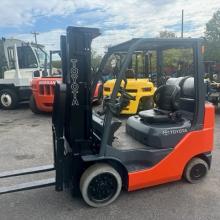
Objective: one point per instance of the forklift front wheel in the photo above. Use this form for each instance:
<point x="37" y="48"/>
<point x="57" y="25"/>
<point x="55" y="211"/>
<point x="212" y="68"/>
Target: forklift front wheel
<point x="33" y="105"/>
<point x="196" y="170"/>
<point x="100" y="185"/>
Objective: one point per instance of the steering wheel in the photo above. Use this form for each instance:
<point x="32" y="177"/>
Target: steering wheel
<point x="125" y="94"/>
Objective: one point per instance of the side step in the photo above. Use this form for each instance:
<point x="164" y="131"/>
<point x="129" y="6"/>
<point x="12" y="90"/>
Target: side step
<point x="28" y="185"/>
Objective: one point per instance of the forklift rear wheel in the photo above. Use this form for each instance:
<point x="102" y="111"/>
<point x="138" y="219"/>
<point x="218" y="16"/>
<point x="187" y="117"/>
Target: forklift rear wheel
<point x="196" y="170"/>
<point x="8" y="99"/>
<point x="33" y="106"/>
<point x="100" y="185"/>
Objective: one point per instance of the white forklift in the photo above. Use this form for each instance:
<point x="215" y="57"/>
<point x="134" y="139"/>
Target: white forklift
<point x="19" y="61"/>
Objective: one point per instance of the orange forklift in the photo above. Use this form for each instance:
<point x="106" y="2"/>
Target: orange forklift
<point x="41" y="99"/>
<point x="96" y="155"/>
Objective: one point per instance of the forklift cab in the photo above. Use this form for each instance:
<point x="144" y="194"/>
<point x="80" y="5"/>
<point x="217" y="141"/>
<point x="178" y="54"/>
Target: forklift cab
<point x="97" y="155"/>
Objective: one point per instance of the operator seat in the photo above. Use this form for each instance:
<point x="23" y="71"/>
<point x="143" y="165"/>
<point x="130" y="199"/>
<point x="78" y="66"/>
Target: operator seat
<point x="166" y="99"/>
<point x="150" y="129"/>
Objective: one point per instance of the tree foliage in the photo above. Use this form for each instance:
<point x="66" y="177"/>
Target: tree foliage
<point x="95" y="61"/>
<point x="167" y="34"/>
<point x="212" y="32"/>
<point x="175" y="57"/>
<point x="172" y="58"/>
<point x="212" y="37"/>
<point x="56" y="64"/>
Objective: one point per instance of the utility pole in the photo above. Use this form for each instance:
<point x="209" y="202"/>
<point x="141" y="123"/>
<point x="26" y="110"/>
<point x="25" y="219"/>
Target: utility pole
<point x="182" y="23"/>
<point x="35" y="36"/>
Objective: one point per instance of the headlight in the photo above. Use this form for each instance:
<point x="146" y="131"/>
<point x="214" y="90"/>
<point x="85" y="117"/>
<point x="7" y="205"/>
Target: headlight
<point x="106" y="89"/>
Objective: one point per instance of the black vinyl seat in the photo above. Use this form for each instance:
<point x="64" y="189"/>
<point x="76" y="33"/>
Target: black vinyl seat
<point x="166" y="99"/>
<point x="154" y="116"/>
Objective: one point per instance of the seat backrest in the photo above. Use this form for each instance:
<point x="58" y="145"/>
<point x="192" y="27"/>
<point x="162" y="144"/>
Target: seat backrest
<point x="187" y="95"/>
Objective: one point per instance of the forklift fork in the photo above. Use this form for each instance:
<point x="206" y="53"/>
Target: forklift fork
<point x="28" y="185"/>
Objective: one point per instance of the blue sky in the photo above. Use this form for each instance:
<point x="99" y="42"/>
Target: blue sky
<point x="117" y="20"/>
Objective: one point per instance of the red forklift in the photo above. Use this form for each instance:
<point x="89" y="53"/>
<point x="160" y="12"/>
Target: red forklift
<point x="96" y="154"/>
<point x="41" y="99"/>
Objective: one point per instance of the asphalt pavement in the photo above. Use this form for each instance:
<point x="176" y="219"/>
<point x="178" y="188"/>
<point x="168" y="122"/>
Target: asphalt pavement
<point x="26" y="141"/>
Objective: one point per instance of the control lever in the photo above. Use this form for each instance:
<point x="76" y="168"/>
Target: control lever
<point x="125" y="94"/>
<point x="118" y="104"/>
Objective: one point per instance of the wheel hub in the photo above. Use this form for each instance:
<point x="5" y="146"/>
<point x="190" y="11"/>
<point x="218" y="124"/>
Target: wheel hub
<point x="102" y="187"/>
<point x="6" y="99"/>
<point x="198" y="171"/>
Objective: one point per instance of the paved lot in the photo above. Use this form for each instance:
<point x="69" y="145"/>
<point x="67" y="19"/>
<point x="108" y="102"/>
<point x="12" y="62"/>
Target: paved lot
<point x="25" y="140"/>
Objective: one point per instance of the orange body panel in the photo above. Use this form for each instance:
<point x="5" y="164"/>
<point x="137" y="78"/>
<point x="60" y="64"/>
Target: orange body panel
<point x="172" y="166"/>
<point x="43" y="92"/>
<point x="96" y="93"/>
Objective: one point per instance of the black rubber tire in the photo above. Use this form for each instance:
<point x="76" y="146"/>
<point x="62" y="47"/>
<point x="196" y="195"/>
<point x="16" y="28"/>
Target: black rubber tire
<point x="93" y="172"/>
<point x="33" y="106"/>
<point x="196" y="170"/>
<point x="13" y="96"/>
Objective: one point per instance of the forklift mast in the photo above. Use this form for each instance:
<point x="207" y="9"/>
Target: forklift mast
<point x="72" y="110"/>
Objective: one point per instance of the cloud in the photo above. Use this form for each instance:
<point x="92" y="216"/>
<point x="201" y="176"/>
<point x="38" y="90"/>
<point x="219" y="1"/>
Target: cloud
<point x="25" y="12"/>
<point x="50" y="39"/>
<point x="118" y="20"/>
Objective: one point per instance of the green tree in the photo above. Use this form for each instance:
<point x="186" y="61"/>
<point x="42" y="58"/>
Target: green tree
<point x="173" y="57"/>
<point x="212" y="32"/>
<point x="212" y="38"/>
<point x="95" y="61"/>
<point x="167" y="34"/>
<point x="56" y="64"/>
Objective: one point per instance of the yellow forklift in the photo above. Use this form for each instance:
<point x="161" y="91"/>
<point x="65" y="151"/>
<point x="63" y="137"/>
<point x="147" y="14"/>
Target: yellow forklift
<point x="138" y="83"/>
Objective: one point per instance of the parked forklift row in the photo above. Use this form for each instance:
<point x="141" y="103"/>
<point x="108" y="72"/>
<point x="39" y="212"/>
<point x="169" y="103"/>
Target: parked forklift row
<point x="27" y="76"/>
